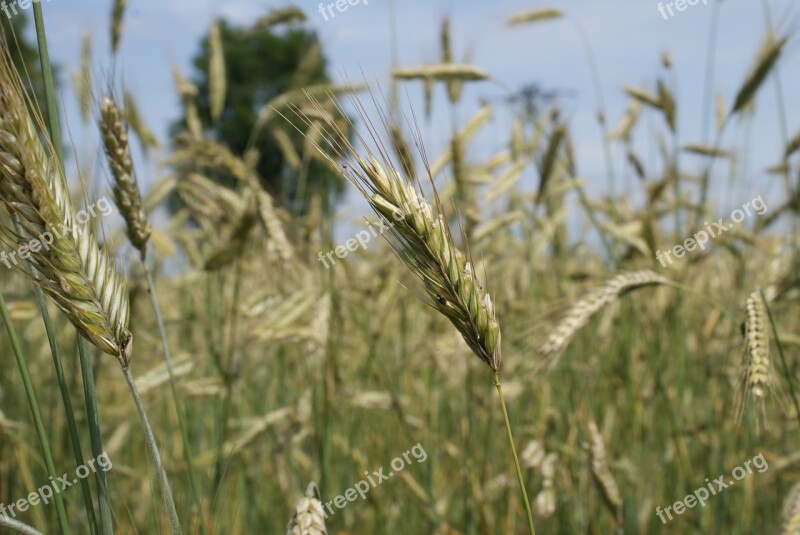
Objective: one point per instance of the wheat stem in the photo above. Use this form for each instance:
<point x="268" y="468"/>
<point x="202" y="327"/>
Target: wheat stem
<point x="152" y="447"/>
<point x="520" y="479"/>
<point x="65" y="398"/>
<point x="95" y="437"/>
<point x="37" y="415"/>
<point x="151" y="290"/>
<point x="49" y="86"/>
<point x="18" y="526"/>
<point x="55" y="139"/>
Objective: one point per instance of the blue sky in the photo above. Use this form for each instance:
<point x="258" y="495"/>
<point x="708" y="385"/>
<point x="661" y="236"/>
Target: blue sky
<point x="627" y="36"/>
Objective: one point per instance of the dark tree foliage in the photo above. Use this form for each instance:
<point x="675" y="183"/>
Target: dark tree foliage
<point x="262" y="64"/>
<point x="24" y="53"/>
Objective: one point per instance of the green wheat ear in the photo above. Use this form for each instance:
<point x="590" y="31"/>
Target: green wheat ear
<point x="421" y="237"/>
<point x="72" y="270"/>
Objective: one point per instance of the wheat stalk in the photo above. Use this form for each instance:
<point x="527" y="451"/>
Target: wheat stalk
<point x="421" y="237"/>
<point x="72" y="270"/>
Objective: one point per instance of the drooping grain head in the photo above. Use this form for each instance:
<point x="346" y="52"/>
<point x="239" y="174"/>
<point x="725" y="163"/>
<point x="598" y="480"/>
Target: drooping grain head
<point x="68" y="262"/>
<point x="114" y="134"/>
<point x="582" y="310"/>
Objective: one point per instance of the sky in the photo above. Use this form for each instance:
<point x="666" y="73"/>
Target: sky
<point x="627" y="38"/>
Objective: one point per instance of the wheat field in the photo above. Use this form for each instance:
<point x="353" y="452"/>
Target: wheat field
<point x="497" y="342"/>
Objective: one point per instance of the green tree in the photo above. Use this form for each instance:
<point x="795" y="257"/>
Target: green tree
<point x="260" y="65"/>
<point x="24" y="53"/>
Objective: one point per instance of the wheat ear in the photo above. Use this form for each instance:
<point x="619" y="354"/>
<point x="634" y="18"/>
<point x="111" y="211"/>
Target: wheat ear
<point x="309" y="516"/>
<point x="116" y="23"/>
<point x="582" y="310"/>
<point x="421" y="238"/>
<point x="114" y="133"/>
<point x="756" y="365"/>
<point x="73" y="271"/>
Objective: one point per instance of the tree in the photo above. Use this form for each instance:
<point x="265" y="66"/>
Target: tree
<point x="24" y="54"/>
<point x="262" y="63"/>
